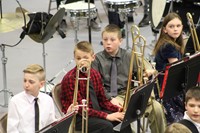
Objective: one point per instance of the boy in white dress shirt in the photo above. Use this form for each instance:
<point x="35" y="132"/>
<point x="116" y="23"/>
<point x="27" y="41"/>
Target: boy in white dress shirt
<point x="21" y="112"/>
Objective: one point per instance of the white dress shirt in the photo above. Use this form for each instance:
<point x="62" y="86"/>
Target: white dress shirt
<point x="21" y="113"/>
<point x="189" y="119"/>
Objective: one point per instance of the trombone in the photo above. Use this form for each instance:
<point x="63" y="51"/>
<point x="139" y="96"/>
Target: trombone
<point x="84" y="69"/>
<point x="137" y="40"/>
<point x="193" y="32"/>
<point x="140" y="41"/>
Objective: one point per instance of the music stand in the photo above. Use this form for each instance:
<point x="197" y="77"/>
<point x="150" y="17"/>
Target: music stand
<point x="180" y="76"/>
<point x="137" y="106"/>
<point x="60" y="126"/>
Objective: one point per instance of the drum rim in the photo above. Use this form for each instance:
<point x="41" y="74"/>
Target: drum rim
<point x="121" y="3"/>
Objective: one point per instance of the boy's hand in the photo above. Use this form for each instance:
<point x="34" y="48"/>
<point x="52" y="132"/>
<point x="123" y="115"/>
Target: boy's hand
<point x="73" y="108"/>
<point x="149" y="72"/>
<point x="117" y="116"/>
<point x="116" y="102"/>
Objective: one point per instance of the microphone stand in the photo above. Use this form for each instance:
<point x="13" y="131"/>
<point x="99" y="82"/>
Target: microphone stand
<point x="89" y="23"/>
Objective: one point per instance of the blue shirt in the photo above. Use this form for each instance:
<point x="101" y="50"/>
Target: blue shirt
<point x="165" y="52"/>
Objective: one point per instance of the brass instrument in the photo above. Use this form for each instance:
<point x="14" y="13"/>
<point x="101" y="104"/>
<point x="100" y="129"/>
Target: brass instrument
<point x="138" y="57"/>
<point x="140" y="66"/>
<point x="84" y="66"/>
<point x="193" y="32"/>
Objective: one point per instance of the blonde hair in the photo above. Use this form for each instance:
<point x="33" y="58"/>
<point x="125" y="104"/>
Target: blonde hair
<point x="35" y="69"/>
<point x="112" y="28"/>
<point x="177" y="128"/>
<point x="84" y="46"/>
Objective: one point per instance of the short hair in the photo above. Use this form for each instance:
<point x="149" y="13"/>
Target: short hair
<point x="84" y="46"/>
<point x="35" y="69"/>
<point x="177" y="128"/>
<point x="112" y="28"/>
<point x="193" y="92"/>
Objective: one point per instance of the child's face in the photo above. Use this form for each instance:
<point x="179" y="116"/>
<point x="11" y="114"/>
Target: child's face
<point x="111" y="42"/>
<point x="82" y="58"/>
<point x="174" y="28"/>
<point x="193" y="109"/>
<point x="32" y="84"/>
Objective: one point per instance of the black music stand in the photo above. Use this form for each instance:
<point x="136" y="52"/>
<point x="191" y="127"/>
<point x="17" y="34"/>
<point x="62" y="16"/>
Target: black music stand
<point x="137" y="106"/>
<point x="60" y="126"/>
<point x="180" y="76"/>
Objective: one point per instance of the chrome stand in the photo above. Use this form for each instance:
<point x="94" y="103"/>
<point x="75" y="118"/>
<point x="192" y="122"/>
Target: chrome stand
<point x="124" y="17"/>
<point x="5" y="90"/>
<point x="75" y="22"/>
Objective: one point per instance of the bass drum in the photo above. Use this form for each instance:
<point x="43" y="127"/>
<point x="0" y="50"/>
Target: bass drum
<point x="155" y="13"/>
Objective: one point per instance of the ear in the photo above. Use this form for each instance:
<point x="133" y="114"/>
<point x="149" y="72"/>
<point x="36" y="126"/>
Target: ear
<point x="121" y="39"/>
<point x="164" y="30"/>
<point x="93" y="57"/>
<point x="42" y="83"/>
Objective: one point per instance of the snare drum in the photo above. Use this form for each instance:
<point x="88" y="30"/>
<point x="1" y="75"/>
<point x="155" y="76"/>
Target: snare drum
<point x="116" y="5"/>
<point x="80" y="9"/>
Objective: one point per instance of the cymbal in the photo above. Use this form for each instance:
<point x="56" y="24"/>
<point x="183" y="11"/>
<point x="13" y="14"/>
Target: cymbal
<point x="51" y="27"/>
<point x="11" y="21"/>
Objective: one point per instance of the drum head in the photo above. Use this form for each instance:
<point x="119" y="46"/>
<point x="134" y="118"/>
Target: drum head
<point x="157" y="8"/>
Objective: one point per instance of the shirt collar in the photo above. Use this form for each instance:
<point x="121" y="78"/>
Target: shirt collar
<point x="31" y="98"/>
<point x="188" y="118"/>
<point x="118" y="55"/>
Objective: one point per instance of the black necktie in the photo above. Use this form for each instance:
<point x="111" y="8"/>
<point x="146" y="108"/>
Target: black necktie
<point x="113" y="80"/>
<point x="95" y="103"/>
<point x="36" y="115"/>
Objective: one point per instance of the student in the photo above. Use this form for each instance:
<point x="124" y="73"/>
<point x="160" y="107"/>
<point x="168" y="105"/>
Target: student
<point x="21" y="113"/>
<point x="168" y="49"/>
<point x="101" y="118"/>
<point x="192" y="106"/>
<point x="170" y="46"/>
<point x="177" y="128"/>
<point x="111" y="38"/>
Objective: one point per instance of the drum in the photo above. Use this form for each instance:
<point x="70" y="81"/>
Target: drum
<point x="80" y="9"/>
<point x="117" y="5"/>
<point x="155" y="13"/>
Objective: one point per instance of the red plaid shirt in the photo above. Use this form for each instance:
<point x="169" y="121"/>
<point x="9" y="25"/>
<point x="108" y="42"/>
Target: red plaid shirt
<point x="67" y="93"/>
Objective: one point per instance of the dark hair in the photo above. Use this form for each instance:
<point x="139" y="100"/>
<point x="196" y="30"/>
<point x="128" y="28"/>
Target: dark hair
<point x="165" y="38"/>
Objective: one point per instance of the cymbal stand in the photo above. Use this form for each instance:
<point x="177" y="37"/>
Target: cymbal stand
<point x="5" y="89"/>
<point x="124" y="17"/>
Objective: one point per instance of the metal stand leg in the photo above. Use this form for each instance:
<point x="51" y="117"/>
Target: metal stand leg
<point x="75" y="22"/>
<point x="44" y="54"/>
<point x="124" y="15"/>
<point x="5" y="90"/>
